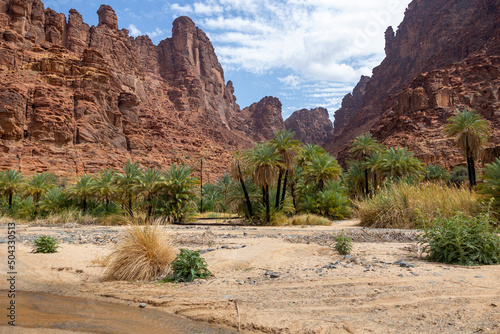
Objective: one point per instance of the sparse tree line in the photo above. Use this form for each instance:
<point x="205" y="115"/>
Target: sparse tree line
<point x="266" y="184"/>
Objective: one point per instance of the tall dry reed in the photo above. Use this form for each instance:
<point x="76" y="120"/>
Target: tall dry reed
<point x="409" y="206"/>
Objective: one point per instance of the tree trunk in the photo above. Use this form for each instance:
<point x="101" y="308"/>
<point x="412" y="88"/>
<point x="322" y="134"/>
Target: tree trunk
<point x="283" y="193"/>
<point x="278" y="189"/>
<point x="268" y="209"/>
<point x="375" y="182"/>
<point x="130" y="206"/>
<point x="367" y="190"/>
<point x="10" y="201"/>
<point x="247" y="197"/>
<point x="150" y="208"/>
<point x="292" y="188"/>
<point x="84" y="205"/>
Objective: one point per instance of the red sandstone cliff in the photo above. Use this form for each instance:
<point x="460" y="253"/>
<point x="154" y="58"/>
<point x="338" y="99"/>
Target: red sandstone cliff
<point x="77" y="99"/>
<point x="442" y="51"/>
<point x="260" y="120"/>
<point x="310" y="126"/>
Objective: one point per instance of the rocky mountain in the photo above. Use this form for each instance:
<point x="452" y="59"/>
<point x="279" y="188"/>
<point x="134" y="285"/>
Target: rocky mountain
<point x="310" y="126"/>
<point x="262" y="119"/>
<point x="443" y="56"/>
<point x="78" y="99"/>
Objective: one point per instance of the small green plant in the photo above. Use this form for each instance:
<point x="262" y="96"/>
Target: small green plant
<point x="343" y="244"/>
<point x="188" y="266"/>
<point x="462" y="240"/>
<point x="45" y="244"/>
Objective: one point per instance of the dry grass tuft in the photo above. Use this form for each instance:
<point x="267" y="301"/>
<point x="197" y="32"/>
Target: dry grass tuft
<point x="309" y="219"/>
<point x="145" y="254"/>
<point x="415" y="206"/>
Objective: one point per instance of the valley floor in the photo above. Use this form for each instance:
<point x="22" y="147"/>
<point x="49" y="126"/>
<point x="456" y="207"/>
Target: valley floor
<point x="282" y="279"/>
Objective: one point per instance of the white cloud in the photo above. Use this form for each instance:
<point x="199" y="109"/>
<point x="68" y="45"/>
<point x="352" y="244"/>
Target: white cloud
<point x="208" y="9"/>
<point x="291" y="80"/>
<point x="316" y="38"/>
<point x="134" y="31"/>
<point x="156" y="33"/>
<point x="308" y="41"/>
<point x="179" y="8"/>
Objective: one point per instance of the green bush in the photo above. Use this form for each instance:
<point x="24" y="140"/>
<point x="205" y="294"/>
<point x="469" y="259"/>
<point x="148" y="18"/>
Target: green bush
<point x="343" y="244"/>
<point x="188" y="266"/>
<point x="462" y="240"/>
<point x="45" y="244"/>
<point x="491" y="185"/>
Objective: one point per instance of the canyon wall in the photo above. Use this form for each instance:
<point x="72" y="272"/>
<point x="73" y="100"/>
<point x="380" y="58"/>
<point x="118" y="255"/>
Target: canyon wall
<point x="443" y="56"/>
<point x="78" y="99"/>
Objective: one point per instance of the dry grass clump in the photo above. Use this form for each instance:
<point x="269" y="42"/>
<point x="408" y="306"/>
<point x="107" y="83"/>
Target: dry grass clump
<point x="67" y="217"/>
<point x="409" y="206"/>
<point x="309" y="219"/>
<point x="144" y="254"/>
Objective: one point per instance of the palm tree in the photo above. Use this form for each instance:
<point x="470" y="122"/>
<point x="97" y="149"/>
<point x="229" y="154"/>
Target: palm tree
<point x="223" y="186"/>
<point x="361" y="147"/>
<point x="38" y="184"/>
<point x="178" y="189"/>
<point x="148" y="185"/>
<point x="286" y="146"/>
<point x="320" y="169"/>
<point x="237" y="174"/>
<point x="371" y="164"/>
<point x="491" y="185"/>
<point x="471" y="132"/>
<point x="436" y="173"/>
<point x="104" y="186"/>
<point x="11" y="181"/>
<point x="266" y="162"/>
<point x="308" y="151"/>
<point x="82" y="190"/>
<point x="127" y="180"/>
<point x="398" y="163"/>
<point x="355" y="178"/>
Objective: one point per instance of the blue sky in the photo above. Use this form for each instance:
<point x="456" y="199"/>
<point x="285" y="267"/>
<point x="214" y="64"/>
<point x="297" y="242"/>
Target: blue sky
<point x="308" y="53"/>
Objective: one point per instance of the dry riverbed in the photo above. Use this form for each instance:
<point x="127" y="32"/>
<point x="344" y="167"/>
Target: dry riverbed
<point x="278" y="280"/>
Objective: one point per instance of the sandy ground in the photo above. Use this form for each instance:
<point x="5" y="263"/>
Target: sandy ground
<point x="367" y="293"/>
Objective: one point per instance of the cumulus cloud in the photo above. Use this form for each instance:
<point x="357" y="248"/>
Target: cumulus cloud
<point x="316" y="38"/>
<point x="134" y="31"/>
<point x="322" y="41"/>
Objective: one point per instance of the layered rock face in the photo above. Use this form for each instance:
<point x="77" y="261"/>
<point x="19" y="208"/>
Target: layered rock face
<point x="310" y="126"/>
<point x="77" y="99"/>
<point x="262" y="119"/>
<point x="416" y="117"/>
<point x="434" y="36"/>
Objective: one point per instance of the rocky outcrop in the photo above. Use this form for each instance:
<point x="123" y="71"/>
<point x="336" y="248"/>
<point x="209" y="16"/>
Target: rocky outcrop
<point x="433" y="35"/>
<point x="310" y="126"/>
<point x="417" y="115"/>
<point x="351" y="104"/>
<point x="77" y="98"/>
<point x="262" y="119"/>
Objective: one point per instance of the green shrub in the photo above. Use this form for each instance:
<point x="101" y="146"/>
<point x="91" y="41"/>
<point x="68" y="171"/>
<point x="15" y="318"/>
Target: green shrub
<point x="343" y="244"/>
<point x="45" y="244"/>
<point x="436" y="173"/>
<point x="462" y="240"/>
<point x="188" y="266"/>
<point x="459" y="175"/>
<point x="403" y="205"/>
<point x="491" y="185"/>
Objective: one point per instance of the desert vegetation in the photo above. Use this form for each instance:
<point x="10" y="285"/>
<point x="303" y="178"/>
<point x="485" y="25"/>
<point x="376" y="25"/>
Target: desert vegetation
<point x="278" y="182"/>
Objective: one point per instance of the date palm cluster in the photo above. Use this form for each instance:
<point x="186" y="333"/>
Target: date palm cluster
<point x="281" y="177"/>
<point x="168" y="192"/>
